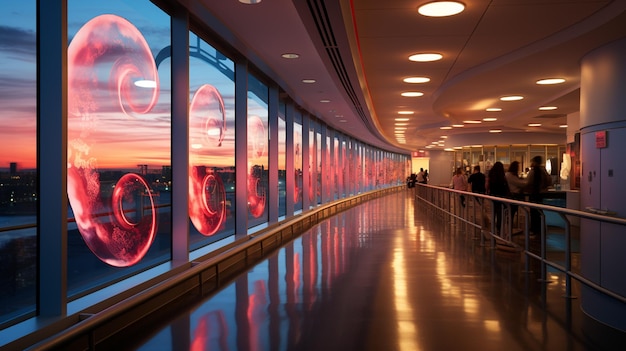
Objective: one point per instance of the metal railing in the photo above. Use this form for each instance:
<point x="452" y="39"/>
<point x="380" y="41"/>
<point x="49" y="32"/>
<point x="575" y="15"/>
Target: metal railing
<point x="477" y="211"/>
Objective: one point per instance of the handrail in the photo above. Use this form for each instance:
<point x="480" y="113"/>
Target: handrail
<point x="427" y="192"/>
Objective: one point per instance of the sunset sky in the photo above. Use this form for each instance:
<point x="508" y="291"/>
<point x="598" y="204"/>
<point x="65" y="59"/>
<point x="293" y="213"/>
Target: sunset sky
<point x="114" y="139"/>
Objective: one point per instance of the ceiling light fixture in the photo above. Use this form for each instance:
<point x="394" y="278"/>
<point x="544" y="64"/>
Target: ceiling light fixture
<point x="445" y="128"/>
<point x="511" y="98"/>
<point x="547" y="108"/>
<point x="402" y="119"/>
<point x="406" y="112"/>
<point x="490" y="119"/>
<point x="563" y="126"/>
<point x="473" y="121"/>
<point x="534" y="124"/>
<point x="493" y="109"/>
<point x="458" y="125"/>
<point x="324" y="100"/>
<point x="290" y="55"/>
<point x="308" y="81"/>
<point x="250" y="2"/>
<point x="495" y="131"/>
<point x="550" y="81"/>
<point x="441" y="8"/>
<point x="412" y="93"/>
<point x="426" y="57"/>
<point x="416" y="80"/>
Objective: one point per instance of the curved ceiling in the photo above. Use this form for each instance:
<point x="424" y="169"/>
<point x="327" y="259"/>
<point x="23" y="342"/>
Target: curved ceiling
<point x="357" y="52"/>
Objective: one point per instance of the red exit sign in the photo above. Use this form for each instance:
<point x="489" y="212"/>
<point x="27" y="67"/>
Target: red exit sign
<point x="601" y="139"/>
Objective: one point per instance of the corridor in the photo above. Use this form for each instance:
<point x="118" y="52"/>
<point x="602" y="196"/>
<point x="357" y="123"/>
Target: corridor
<point x="387" y="274"/>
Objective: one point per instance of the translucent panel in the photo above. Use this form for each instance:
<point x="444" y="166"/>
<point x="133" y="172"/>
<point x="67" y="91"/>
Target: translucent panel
<point x="282" y="170"/>
<point x="258" y="137"/>
<point x="318" y="174"/>
<point x="297" y="165"/>
<point x="328" y="178"/>
<point x="18" y="163"/>
<point x="119" y="128"/>
<point x="211" y="144"/>
<point x="312" y="167"/>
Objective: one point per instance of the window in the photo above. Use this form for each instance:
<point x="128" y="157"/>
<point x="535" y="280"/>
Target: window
<point x="297" y="162"/>
<point x="119" y="137"/>
<point x="18" y="163"/>
<point x="258" y="137"/>
<point x="211" y="144"/>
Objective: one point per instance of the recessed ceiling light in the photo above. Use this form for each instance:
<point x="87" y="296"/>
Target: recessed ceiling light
<point x="448" y="149"/>
<point x="401" y="124"/>
<point x="445" y="128"/>
<point x="406" y="112"/>
<point x="495" y="131"/>
<point x="549" y="81"/>
<point x="427" y="57"/>
<point x="416" y="80"/>
<point x="511" y="98"/>
<point x="563" y="126"/>
<point x="402" y="119"/>
<point x="324" y="100"/>
<point x="250" y="2"/>
<point x="493" y="109"/>
<point x="473" y="121"/>
<point x="490" y="119"/>
<point x="458" y="125"/>
<point x="308" y="81"/>
<point x="290" y="55"/>
<point x="534" y="124"/>
<point x="441" y="8"/>
<point x="412" y="93"/>
<point x="400" y="128"/>
<point x="547" y="108"/>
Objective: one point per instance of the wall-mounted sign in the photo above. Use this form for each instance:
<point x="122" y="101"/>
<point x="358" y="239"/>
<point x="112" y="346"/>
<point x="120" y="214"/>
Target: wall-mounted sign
<point x="601" y="139"/>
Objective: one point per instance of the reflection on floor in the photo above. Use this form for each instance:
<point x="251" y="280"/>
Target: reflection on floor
<point x="384" y="275"/>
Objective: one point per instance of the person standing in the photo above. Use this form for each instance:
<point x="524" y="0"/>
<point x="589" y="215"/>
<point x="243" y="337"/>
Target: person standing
<point x="420" y="176"/>
<point x="538" y="181"/>
<point x="459" y="182"/>
<point x="497" y="186"/>
<point x="476" y="181"/>
<point x="516" y="185"/>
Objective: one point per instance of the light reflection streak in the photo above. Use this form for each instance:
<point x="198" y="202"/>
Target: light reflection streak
<point x="407" y="330"/>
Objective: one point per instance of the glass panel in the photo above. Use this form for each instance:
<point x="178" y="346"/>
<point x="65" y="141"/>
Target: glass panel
<point x="119" y="129"/>
<point x="337" y="169"/>
<point x="18" y="163"/>
<point x="518" y="153"/>
<point x="282" y="169"/>
<point x="318" y="161"/>
<point x="258" y="136"/>
<point x="312" y="167"/>
<point x="502" y="155"/>
<point x="328" y="177"/>
<point x="211" y="144"/>
<point x="297" y="165"/>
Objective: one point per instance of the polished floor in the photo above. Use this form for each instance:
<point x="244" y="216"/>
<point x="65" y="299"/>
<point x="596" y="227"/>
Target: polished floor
<point x="388" y="274"/>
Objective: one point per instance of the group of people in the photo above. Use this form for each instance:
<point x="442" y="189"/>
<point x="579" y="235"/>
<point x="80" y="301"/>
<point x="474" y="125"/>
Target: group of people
<point x="507" y="184"/>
